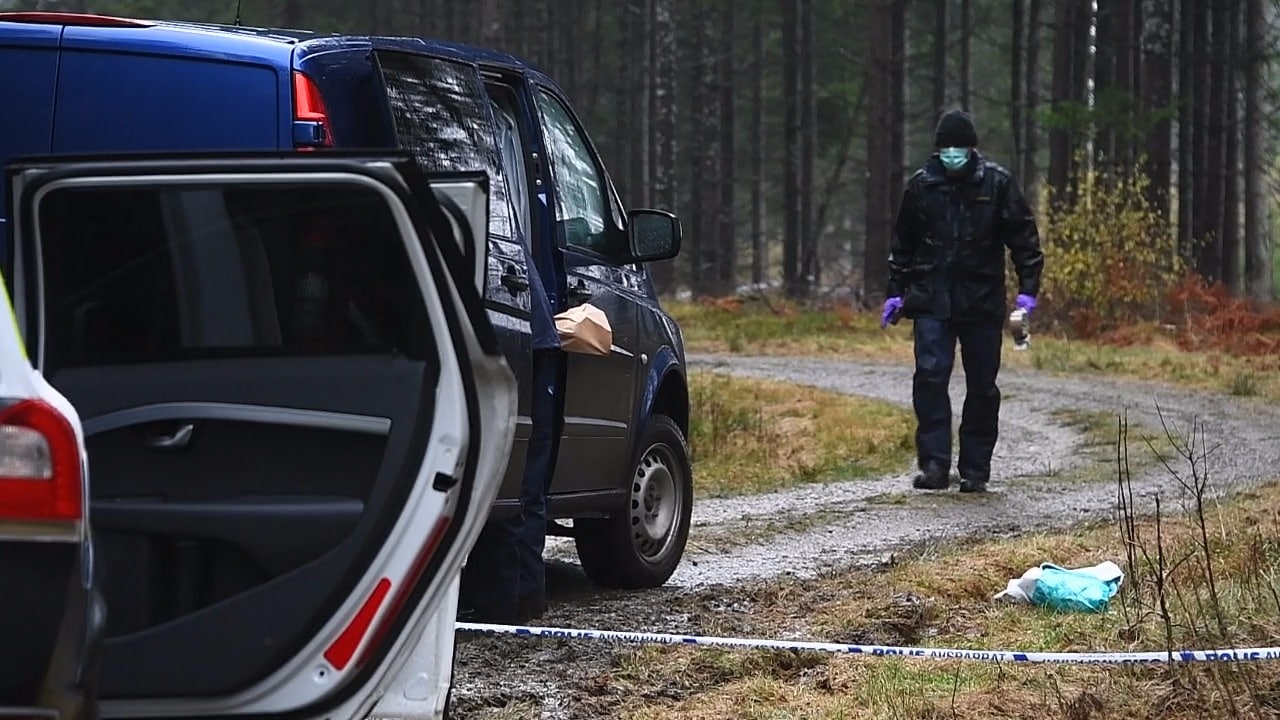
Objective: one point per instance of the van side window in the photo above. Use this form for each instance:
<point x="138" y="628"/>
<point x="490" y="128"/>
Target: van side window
<point x="580" y="198"/>
<point x="442" y="115"/>
<point x="513" y="167"/>
<point x="161" y="274"/>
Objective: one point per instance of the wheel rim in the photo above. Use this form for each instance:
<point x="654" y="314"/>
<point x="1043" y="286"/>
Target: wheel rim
<point x="656" y="503"/>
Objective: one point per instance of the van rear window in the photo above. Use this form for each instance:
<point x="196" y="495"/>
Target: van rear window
<point x="146" y="275"/>
<point x="118" y="102"/>
<point x="444" y="118"/>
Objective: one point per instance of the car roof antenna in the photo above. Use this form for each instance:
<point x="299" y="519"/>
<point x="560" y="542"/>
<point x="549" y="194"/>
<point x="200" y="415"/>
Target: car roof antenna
<point x="237" y="21"/>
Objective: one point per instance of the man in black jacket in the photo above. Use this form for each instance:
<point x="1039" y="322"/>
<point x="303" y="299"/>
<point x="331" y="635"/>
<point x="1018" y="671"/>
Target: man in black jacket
<point x="947" y="273"/>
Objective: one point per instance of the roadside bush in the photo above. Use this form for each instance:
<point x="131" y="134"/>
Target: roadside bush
<point x="1211" y="319"/>
<point x="1109" y="255"/>
<point x="1202" y="578"/>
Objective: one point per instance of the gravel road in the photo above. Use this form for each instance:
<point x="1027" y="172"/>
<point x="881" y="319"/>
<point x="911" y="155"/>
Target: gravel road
<point x="737" y="544"/>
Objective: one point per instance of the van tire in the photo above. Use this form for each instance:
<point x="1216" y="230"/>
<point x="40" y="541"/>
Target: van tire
<point x="640" y="546"/>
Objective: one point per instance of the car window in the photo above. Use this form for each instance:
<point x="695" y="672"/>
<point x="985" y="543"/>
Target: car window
<point x="160" y="274"/>
<point x="580" y="198"/>
<point x="443" y="117"/>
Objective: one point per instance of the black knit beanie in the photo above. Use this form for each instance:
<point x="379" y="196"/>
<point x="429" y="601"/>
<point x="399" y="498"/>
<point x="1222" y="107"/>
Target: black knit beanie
<point x="955" y="129"/>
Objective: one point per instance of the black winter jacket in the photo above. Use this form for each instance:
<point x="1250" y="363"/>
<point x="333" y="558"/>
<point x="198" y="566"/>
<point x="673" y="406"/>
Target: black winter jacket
<point x="946" y="260"/>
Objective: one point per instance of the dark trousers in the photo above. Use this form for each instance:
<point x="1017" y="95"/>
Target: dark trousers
<point x="935" y="349"/>
<point x="544" y="445"/>
<point x="505" y="574"/>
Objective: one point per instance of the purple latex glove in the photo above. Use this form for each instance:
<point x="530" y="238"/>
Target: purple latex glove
<point x="1026" y="303"/>
<point x="892" y="306"/>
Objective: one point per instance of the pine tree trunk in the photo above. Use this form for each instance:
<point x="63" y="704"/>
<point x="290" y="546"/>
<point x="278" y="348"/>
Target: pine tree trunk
<point x="809" y="267"/>
<point x="728" y="250"/>
<point x="701" y="186"/>
<point x="448" y="21"/>
<point x="1157" y="86"/>
<point x="622" y="160"/>
<point x="939" y="58"/>
<point x="1125" y="86"/>
<point x="791" y="268"/>
<point x="1081" y="67"/>
<point x="879" y="115"/>
<point x="898" y="108"/>
<point x="1030" y="170"/>
<point x="966" y="54"/>
<point x="537" y="32"/>
<point x="1187" y="36"/>
<point x="759" y="140"/>
<point x="1017" y="83"/>
<point x="592" y="86"/>
<point x="490" y="23"/>
<point x="1203" y="221"/>
<point x="1135" y="19"/>
<point x="1232" y="258"/>
<point x="709" y="150"/>
<point x="642" y="78"/>
<point x="520" y="13"/>
<point x="291" y="13"/>
<point x="1104" y="79"/>
<point x="375" y="19"/>
<point x="663" y="122"/>
<point x="1213" y="155"/>
<point x="1258" y="258"/>
<point x="567" y="30"/>
<point x="1064" y="74"/>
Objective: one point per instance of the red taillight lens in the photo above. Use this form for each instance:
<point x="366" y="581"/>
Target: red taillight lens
<point x="340" y="652"/>
<point x="310" y="113"/>
<point x="425" y="553"/>
<point x="39" y="464"/>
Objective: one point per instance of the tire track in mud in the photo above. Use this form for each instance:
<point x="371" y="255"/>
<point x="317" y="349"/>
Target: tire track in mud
<point x="737" y="544"/>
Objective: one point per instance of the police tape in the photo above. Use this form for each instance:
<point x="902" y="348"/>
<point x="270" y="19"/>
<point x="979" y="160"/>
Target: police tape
<point x="996" y="656"/>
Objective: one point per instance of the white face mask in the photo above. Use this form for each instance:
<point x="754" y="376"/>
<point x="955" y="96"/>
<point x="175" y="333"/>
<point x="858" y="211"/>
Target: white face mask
<point x="953" y="158"/>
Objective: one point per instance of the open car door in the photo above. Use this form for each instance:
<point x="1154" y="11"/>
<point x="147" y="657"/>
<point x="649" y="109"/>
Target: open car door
<point x="296" y="415"/>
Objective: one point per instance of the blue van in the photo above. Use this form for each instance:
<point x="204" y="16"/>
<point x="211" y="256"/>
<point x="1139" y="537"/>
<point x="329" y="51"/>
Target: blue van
<point x="87" y="85"/>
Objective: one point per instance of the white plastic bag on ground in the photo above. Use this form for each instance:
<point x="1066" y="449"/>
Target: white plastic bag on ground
<point x="1083" y="589"/>
<point x="1020" y="589"/>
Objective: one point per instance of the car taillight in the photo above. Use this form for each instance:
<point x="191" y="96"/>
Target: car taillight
<point x="311" y="125"/>
<point x="39" y="465"/>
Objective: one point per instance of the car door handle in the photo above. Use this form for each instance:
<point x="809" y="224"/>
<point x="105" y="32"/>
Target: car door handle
<point x="514" y="280"/>
<point x="580" y="292"/>
<point x="176" y="440"/>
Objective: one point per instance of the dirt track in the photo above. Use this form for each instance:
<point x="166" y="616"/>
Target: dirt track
<point x="1041" y="479"/>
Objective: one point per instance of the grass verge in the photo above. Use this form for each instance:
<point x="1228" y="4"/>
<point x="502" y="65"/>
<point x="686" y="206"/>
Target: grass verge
<point x="750" y="436"/>
<point x="753" y="328"/>
<point x="1199" y="574"/>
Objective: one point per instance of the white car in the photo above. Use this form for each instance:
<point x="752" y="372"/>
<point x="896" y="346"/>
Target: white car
<point x="52" y="609"/>
<point x="277" y="376"/>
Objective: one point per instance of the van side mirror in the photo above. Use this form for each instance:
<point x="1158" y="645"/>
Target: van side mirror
<point x="653" y="235"/>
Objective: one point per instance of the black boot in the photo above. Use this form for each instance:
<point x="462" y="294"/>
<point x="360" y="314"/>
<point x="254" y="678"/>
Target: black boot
<point x="532" y="608"/>
<point x="973" y="485"/>
<point x="933" y="478"/>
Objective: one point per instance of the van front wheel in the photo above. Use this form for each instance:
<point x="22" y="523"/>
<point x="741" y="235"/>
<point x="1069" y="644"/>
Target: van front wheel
<point x="641" y="545"/>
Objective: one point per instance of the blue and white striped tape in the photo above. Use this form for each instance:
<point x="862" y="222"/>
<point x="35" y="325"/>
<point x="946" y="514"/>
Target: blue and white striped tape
<point x="996" y="656"/>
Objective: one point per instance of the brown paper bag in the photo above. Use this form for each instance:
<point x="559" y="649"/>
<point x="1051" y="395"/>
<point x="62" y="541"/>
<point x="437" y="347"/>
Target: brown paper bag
<point x="584" y="329"/>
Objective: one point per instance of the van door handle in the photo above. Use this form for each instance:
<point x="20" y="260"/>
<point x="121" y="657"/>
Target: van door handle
<point x="514" y="280"/>
<point x="579" y="291"/>
<point x="176" y="440"/>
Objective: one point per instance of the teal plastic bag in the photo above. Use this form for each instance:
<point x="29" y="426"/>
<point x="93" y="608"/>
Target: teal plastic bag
<point x="1074" y="590"/>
